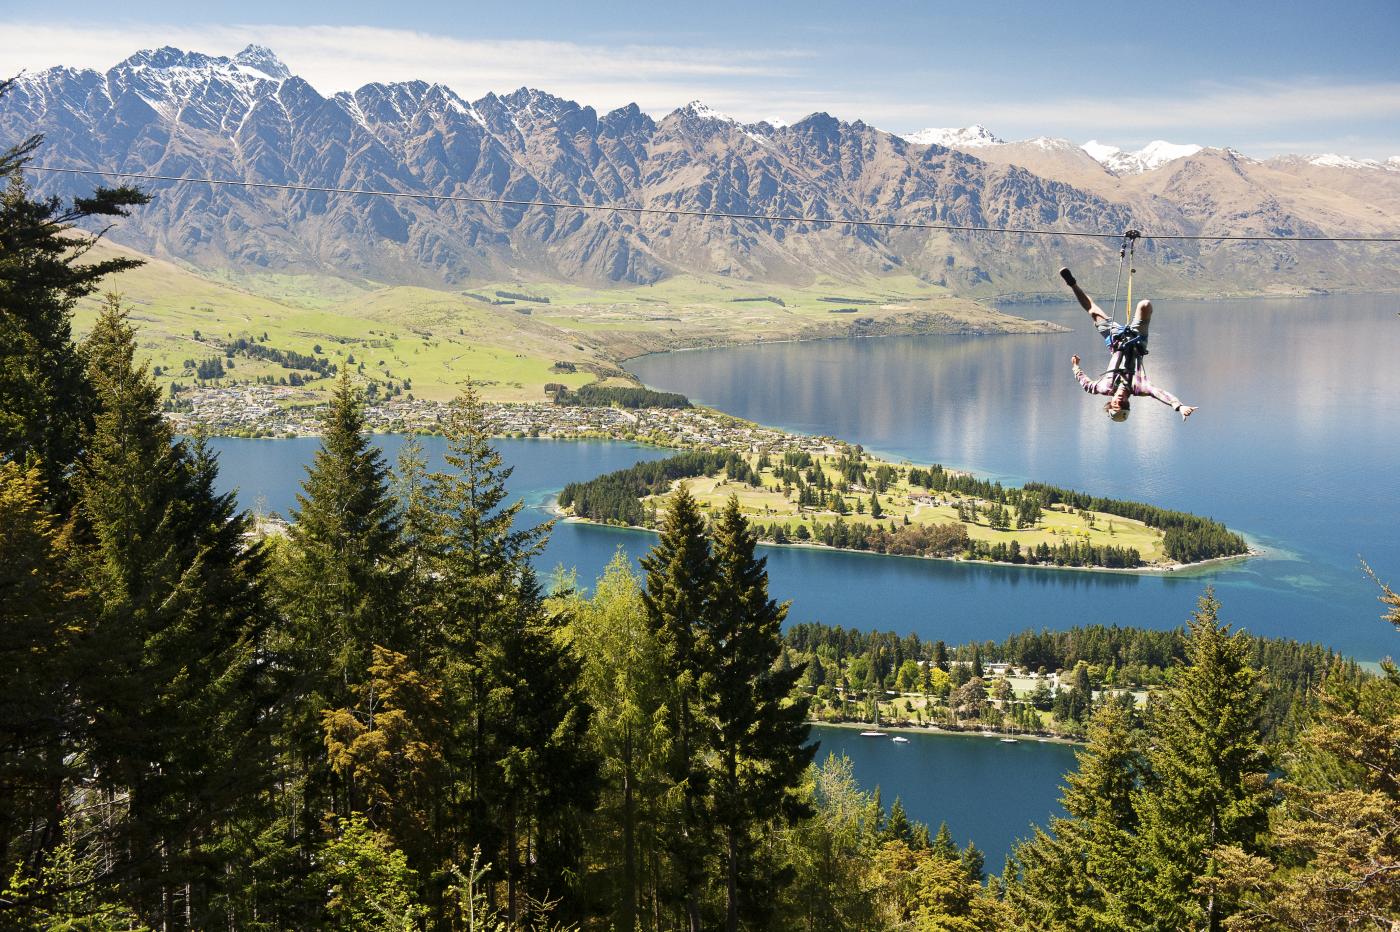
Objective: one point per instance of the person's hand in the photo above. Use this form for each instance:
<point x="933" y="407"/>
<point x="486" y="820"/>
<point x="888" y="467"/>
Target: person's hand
<point x="1074" y="360"/>
<point x="1187" y="411"/>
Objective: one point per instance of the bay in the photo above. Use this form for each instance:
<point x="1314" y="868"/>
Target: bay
<point x="987" y="791"/>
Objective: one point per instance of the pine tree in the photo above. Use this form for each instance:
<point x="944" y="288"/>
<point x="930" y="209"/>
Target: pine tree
<point x="478" y="561"/>
<point x="1334" y="855"/>
<point x="45" y="399"/>
<point x="417" y="549"/>
<point x="549" y="770"/>
<point x="974" y="863"/>
<point x="899" y="828"/>
<point x="759" y="732"/>
<point x="1080" y="874"/>
<point x="1209" y="775"/>
<point x="173" y="672"/>
<point x="342" y="580"/>
<point x="943" y="844"/>
<point x="339" y="584"/>
<point x="680" y="574"/>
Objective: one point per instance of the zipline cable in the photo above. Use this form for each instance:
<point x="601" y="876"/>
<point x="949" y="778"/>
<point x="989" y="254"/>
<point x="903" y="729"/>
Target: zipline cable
<point x="708" y="214"/>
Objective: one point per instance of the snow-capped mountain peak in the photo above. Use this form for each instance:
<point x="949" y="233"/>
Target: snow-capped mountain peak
<point x="1153" y="155"/>
<point x="264" y="61"/>
<point x="967" y="137"/>
<point x="701" y="111"/>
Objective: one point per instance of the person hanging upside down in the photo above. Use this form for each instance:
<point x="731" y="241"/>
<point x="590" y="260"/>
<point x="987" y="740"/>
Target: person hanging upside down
<point x="1127" y="345"/>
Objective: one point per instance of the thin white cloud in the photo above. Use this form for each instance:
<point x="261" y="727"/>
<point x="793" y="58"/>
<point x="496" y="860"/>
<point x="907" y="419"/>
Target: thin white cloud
<point x="1270" y="104"/>
<point x="335" y="58"/>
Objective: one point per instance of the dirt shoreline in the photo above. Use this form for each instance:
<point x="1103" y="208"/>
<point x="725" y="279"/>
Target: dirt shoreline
<point x="950" y="732"/>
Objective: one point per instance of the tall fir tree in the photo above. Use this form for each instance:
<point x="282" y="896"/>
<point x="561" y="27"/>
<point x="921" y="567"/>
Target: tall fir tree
<point x="173" y="683"/>
<point x="680" y="575"/>
<point x="1334" y="855"/>
<point x="1079" y="875"/>
<point x="339" y="587"/>
<point x="1209" y="776"/>
<point x="341" y="582"/>
<point x="758" y="728"/>
<point x="479" y="559"/>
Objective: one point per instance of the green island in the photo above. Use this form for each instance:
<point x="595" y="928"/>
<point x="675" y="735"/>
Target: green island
<point x="851" y="500"/>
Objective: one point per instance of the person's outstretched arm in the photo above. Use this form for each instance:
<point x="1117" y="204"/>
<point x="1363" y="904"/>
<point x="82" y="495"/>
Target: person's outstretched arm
<point x="1167" y="398"/>
<point x="1103" y="386"/>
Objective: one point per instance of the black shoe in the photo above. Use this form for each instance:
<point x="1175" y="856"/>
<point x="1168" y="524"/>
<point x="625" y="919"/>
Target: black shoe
<point x="1068" y="276"/>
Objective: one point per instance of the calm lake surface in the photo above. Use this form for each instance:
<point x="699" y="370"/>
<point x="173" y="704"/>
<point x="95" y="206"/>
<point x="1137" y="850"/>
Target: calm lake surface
<point x="1297" y="444"/>
<point x="987" y="791"/>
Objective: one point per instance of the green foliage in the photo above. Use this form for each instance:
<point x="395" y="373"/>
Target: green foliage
<point x="622" y="677"/>
<point x="620" y="396"/>
<point x="1149" y="815"/>
<point x="45" y="401"/>
<point x="758" y="732"/>
<point x="616" y="496"/>
<point x="368" y="882"/>
<point x="1188" y="537"/>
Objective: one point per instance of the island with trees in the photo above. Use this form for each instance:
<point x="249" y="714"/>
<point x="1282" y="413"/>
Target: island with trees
<point x="848" y="499"/>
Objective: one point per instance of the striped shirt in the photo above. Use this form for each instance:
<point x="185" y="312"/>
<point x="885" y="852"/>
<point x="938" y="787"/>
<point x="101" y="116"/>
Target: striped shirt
<point x="1105" y="384"/>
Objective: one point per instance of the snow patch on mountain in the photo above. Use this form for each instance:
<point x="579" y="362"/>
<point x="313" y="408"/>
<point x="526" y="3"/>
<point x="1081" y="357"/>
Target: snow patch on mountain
<point x="1049" y="143"/>
<point x="1151" y="156"/>
<point x="967" y="137"/>
<point x="1333" y="160"/>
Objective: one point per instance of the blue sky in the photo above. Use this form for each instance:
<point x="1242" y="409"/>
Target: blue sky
<point x="1264" y="78"/>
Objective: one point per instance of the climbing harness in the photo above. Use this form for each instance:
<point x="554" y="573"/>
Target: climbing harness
<point x="1126" y="339"/>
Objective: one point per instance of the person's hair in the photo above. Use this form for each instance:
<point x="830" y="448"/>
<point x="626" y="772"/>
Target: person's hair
<point x="1121" y="414"/>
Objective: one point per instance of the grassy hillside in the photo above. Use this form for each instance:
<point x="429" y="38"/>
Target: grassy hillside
<point x="508" y="336"/>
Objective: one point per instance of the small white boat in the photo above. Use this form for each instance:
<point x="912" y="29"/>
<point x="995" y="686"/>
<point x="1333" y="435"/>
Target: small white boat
<point x="900" y="739"/>
<point x="1009" y="741"/>
<point x="989" y="734"/>
<point x="872" y="734"/>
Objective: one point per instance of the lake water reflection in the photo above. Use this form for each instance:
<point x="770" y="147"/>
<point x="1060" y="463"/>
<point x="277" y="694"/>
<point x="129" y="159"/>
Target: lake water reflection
<point x="1297" y="443"/>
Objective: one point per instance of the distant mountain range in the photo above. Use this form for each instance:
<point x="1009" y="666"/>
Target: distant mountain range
<point x="247" y="117"/>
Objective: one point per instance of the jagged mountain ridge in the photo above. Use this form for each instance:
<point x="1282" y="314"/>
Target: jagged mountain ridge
<point x="247" y="117"/>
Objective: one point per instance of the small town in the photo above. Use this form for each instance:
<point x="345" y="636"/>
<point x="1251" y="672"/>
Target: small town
<point x="281" y="411"/>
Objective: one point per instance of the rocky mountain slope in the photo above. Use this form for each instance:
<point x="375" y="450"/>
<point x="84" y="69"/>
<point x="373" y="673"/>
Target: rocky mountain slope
<point x="247" y="117"/>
